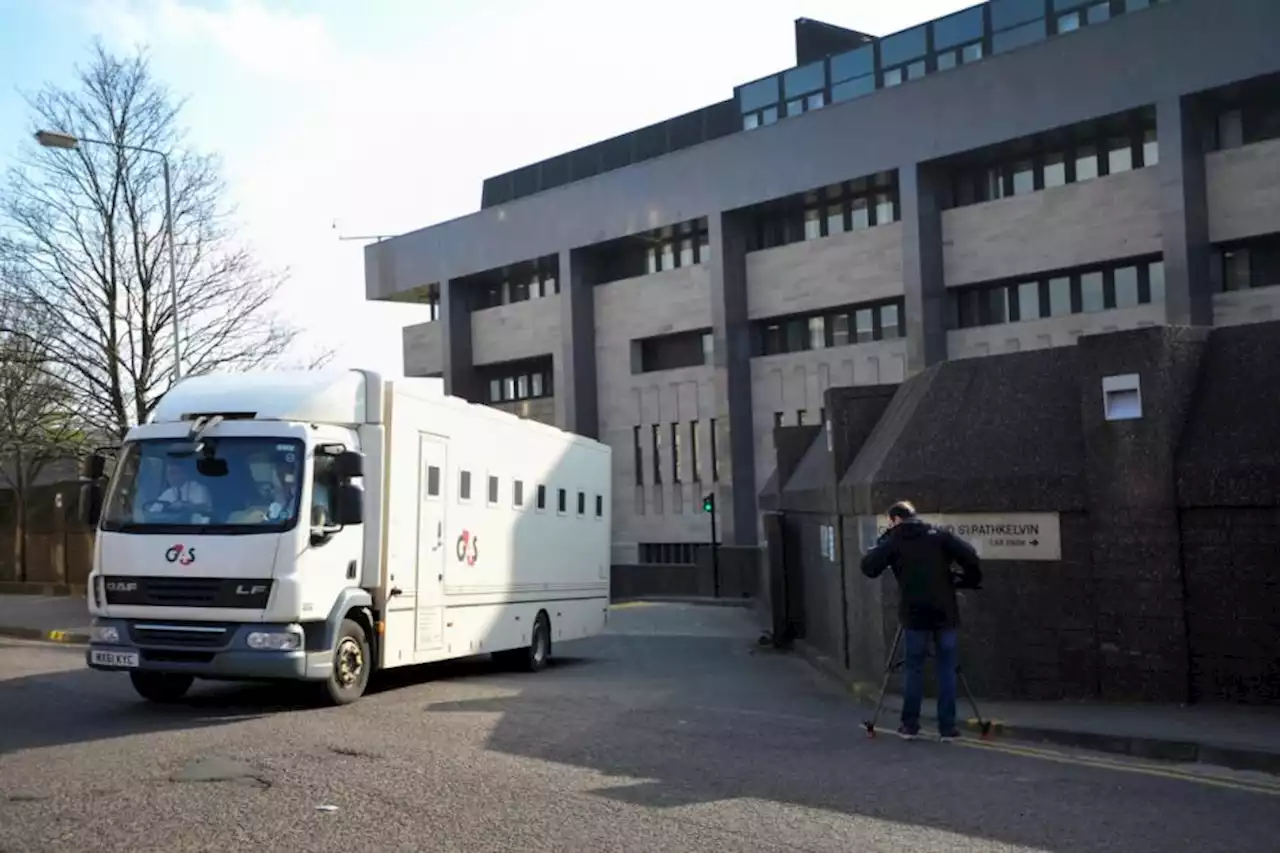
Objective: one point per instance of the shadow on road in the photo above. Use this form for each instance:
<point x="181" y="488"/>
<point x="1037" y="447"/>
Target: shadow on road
<point x="78" y="705"/>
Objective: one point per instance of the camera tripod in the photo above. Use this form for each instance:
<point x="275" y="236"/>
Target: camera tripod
<point x="892" y="664"/>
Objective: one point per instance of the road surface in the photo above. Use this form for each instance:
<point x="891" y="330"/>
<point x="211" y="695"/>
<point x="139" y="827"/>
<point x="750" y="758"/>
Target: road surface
<point x="672" y="733"/>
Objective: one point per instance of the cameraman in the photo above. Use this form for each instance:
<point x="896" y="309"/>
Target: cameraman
<point x="921" y="557"/>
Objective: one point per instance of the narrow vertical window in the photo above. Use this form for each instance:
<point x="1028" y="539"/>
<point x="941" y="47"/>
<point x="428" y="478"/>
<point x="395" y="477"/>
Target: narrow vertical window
<point x="657" y="454"/>
<point x="675" y="453"/>
<point x="638" y="460"/>
<point x="715" y="452"/>
<point x="695" y="468"/>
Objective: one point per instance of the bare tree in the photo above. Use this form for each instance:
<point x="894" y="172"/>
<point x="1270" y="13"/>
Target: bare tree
<point x="38" y="424"/>
<point x="82" y="244"/>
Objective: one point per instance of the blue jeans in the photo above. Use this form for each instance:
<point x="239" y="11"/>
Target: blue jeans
<point x="917" y="648"/>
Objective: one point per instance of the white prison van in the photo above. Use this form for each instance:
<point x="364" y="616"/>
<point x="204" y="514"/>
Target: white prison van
<point x="320" y="525"/>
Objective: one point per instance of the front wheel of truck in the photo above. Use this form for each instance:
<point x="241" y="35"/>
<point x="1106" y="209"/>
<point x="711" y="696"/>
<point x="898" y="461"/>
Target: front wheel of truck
<point x="163" y="687"/>
<point x="352" y="663"/>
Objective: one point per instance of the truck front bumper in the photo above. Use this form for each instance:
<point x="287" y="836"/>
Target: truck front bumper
<point x="216" y="651"/>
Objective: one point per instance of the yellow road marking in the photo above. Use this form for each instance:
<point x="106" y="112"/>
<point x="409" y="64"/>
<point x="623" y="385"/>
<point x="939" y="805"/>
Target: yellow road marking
<point x="1127" y="766"/>
<point x="627" y="604"/>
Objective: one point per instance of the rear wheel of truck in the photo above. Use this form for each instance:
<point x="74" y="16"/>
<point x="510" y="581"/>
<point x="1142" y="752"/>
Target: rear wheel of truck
<point x="533" y="657"/>
<point x="352" y="663"/>
<point x="161" y="686"/>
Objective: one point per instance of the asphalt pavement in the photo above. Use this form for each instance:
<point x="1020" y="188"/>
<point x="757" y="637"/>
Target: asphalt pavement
<point x="671" y="733"/>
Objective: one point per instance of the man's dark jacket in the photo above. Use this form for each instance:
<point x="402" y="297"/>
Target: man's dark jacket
<point x="921" y="557"/>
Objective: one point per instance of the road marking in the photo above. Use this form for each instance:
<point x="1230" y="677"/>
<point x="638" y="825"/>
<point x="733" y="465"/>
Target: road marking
<point x="1126" y="766"/>
<point x="625" y="605"/>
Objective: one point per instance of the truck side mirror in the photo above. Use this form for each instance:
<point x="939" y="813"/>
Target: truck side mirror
<point x="93" y="467"/>
<point x="91" y="502"/>
<point x="348" y="465"/>
<point x="349" y="506"/>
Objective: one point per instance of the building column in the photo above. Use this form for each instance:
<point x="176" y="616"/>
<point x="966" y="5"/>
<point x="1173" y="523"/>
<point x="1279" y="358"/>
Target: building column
<point x="919" y="197"/>
<point x="459" y="370"/>
<point x="736" y="500"/>
<point x="1184" y="213"/>
<point x="576" y="391"/>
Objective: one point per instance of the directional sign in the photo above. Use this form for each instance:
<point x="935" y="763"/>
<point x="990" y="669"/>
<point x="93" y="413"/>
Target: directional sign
<point x="1030" y="536"/>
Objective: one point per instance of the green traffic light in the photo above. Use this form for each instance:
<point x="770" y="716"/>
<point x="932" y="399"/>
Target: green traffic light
<point x="709" y="503"/>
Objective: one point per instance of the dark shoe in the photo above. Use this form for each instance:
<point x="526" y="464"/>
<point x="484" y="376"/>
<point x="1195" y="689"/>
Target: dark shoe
<point x="908" y="732"/>
<point x="945" y="737"/>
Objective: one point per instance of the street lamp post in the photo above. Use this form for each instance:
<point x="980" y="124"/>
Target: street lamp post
<point x="55" y="139"/>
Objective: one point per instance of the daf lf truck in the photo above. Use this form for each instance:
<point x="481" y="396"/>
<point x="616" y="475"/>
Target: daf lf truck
<point x="318" y="526"/>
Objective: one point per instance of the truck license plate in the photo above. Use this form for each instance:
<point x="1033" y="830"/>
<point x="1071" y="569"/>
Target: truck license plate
<point x="123" y="660"/>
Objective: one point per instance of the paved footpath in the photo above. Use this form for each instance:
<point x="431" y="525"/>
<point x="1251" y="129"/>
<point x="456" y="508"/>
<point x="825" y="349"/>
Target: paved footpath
<point x="671" y="733"/>
<point x="48" y="617"/>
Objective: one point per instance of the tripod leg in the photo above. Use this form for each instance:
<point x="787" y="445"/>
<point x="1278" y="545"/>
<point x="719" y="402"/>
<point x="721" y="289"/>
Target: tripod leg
<point x="889" y="667"/>
<point x="984" y="726"/>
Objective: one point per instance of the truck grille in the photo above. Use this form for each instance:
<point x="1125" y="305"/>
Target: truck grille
<point x="181" y="635"/>
<point x="187" y="592"/>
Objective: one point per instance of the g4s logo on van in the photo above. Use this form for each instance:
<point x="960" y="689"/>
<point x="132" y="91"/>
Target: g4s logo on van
<point x="180" y="554"/>
<point x="467" y="548"/>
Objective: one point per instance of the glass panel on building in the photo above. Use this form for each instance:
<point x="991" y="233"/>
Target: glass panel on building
<point x="946" y="61"/>
<point x="668" y="258"/>
<point x="495" y="390"/>
<point x="812" y="224"/>
<point x="855" y="63"/>
<point x="835" y="219"/>
<point x="1155" y="272"/>
<point x="850" y="89"/>
<point x="509" y="388"/>
<point x="861" y="214"/>
<point x="1024" y="177"/>
<point x="817" y="332"/>
<point x="1126" y="281"/>
<point x="1086" y="163"/>
<point x="890" y="322"/>
<point x="522" y="387"/>
<point x="892" y="77"/>
<point x="757" y="95"/>
<point x="535" y="385"/>
<point x="971" y="52"/>
<point x="750" y="121"/>
<point x="957" y="29"/>
<point x="797" y="335"/>
<point x="1235" y="269"/>
<point x="1098" y="13"/>
<point x="839" y="330"/>
<point x="1018" y="36"/>
<point x="803" y="80"/>
<point x="1059" y="296"/>
<point x="1119" y="156"/>
<point x="916" y="70"/>
<point x="815" y="101"/>
<point x="769" y="115"/>
<point x="1091" y="293"/>
<point x="1029" y="300"/>
<point x="1069" y="22"/>
<point x="864" y="325"/>
<point x="904" y="46"/>
<point x="884" y="208"/>
<point x="686" y="252"/>
<point x="1008" y="13"/>
<point x="1055" y="169"/>
<point x="998" y="304"/>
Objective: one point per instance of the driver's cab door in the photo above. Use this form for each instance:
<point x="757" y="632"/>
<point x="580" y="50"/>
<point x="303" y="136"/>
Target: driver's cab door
<point x="329" y="558"/>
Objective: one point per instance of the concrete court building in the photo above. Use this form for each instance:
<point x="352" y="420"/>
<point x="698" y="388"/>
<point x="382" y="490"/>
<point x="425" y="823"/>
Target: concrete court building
<point x="1012" y="176"/>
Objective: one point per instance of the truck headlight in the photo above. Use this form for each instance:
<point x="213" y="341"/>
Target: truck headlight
<point x="276" y="641"/>
<point x="104" y="634"/>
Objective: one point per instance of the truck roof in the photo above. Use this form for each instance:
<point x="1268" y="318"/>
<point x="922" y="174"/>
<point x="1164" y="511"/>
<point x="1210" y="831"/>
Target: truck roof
<point x="332" y="396"/>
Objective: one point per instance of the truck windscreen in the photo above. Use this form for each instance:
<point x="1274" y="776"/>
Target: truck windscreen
<point x="221" y="485"/>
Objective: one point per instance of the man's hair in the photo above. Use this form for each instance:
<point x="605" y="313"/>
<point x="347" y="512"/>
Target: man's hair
<point x="902" y="510"/>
